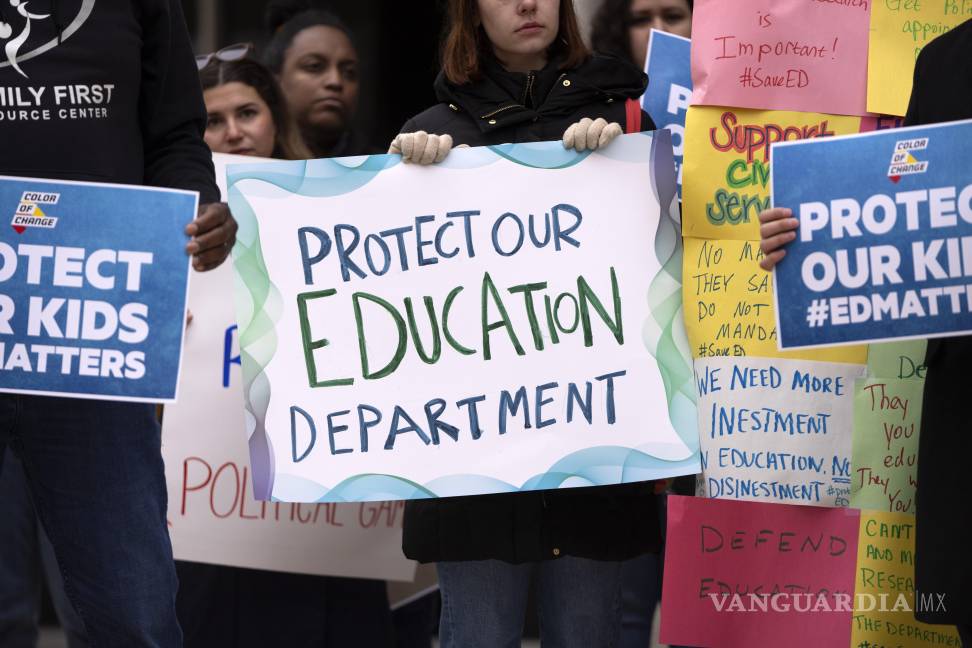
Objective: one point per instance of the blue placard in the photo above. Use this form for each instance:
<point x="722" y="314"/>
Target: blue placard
<point x="669" y="89"/>
<point x="884" y="249"/>
<point x="93" y="282"/>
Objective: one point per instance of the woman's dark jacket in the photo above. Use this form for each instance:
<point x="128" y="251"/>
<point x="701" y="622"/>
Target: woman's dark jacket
<point x="943" y="563"/>
<point x="602" y="523"/>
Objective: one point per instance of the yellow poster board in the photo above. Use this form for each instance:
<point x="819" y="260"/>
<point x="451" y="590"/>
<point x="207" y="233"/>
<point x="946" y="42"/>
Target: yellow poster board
<point x="899" y="31"/>
<point x="728" y="305"/>
<point x="726" y="172"/>
<point x="884" y="590"/>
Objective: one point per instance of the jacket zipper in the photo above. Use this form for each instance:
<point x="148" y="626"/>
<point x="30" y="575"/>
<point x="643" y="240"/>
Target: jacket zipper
<point x="529" y="89"/>
<point x="499" y="110"/>
<point x="528" y="93"/>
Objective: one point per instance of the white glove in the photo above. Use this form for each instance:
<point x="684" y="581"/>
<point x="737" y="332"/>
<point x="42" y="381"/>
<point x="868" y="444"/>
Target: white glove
<point x="590" y="135"/>
<point x="421" y="147"/>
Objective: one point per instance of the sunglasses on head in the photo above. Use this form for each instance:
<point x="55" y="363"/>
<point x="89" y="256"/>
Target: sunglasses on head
<point x="228" y="54"/>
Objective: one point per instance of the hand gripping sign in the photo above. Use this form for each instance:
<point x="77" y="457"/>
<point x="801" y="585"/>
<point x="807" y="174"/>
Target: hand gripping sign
<point x="884" y="249"/>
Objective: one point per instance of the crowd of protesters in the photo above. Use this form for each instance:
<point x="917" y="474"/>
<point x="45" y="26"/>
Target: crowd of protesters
<point x="511" y="71"/>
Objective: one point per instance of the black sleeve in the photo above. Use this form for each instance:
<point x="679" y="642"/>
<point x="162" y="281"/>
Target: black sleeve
<point x="171" y="109"/>
<point x="913" y="118"/>
<point x="409" y="127"/>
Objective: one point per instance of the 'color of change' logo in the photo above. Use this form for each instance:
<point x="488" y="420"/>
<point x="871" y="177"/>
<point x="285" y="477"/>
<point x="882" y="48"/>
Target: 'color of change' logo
<point x="30" y="214"/>
<point x="903" y="162"/>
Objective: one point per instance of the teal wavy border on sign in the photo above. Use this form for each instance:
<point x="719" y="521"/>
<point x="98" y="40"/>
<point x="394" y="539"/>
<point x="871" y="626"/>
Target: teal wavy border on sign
<point x="259" y="309"/>
<point x="664" y="334"/>
<point x="599" y="466"/>
<point x="337" y="176"/>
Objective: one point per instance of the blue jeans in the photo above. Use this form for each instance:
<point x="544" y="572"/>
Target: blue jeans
<point x="640" y="592"/>
<point x="26" y="552"/>
<point x="484" y="603"/>
<point x="95" y="475"/>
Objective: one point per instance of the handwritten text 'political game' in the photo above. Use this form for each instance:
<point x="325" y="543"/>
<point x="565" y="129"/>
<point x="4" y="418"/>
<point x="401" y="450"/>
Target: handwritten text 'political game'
<point x="89" y="305"/>
<point x="885" y="243"/>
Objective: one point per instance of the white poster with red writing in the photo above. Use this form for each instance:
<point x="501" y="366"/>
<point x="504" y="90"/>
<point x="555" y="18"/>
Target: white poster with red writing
<point x="213" y="515"/>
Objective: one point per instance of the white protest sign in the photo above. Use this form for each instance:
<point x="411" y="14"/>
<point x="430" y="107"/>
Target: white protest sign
<point x="507" y="320"/>
<point x="776" y="430"/>
<point x="213" y="515"/>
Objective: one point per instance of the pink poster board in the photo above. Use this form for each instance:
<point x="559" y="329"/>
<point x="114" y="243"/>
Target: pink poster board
<point x="801" y="55"/>
<point x="727" y="547"/>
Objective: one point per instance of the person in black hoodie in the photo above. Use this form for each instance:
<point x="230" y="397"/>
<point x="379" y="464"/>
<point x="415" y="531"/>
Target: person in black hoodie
<point x="518" y="71"/>
<point x="105" y="91"/>
<point x="942" y="92"/>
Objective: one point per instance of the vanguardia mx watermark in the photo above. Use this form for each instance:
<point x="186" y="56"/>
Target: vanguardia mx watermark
<point x="829" y="602"/>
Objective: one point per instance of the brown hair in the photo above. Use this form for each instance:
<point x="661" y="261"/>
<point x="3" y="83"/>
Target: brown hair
<point x="466" y="43"/>
<point x="287" y="144"/>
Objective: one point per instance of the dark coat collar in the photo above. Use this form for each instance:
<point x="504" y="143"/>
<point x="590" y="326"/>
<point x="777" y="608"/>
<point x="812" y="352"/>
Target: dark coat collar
<point x="501" y="98"/>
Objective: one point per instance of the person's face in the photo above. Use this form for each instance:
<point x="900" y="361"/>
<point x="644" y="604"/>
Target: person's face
<point x="672" y="16"/>
<point x="320" y="79"/>
<point x="521" y="31"/>
<point x="239" y="121"/>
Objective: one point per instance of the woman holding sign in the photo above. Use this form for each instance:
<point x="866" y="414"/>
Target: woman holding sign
<point x="518" y="71"/>
<point x="942" y="92"/>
